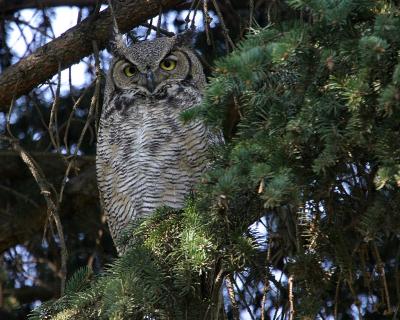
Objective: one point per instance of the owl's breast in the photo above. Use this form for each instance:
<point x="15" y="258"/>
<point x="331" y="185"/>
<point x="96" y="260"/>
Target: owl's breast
<point x="147" y="157"/>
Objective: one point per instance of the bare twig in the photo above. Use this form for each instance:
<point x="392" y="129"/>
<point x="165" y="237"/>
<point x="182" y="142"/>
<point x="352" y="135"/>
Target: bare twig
<point x="337" y="291"/>
<point x="1" y="286"/>
<point x="76" y="104"/>
<point x="22" y="35"/>
<point x="114" y="19"/>
<point x="242" y="297"/>
<point x="349" y="281"/>
<point x="291" y="298"/>
<point x="215" y="295"/>
<point x="49" y="25"/>
<point x="192" y="26"/>
<point x="231" y="293"/>
<point x="381" y="269"/>
<point x="206" y="21"/>
<point x="397" y="282"/>
<point x="251" y="14"/>
<point x="53" y="126"/>
<point x="89" y="119"/>
<point x="8" y="126"/>
<point x="187" y="18"/>
<point x="266" y="282"/>
<point x="149" y="29"/>
<point x="223" y="25"/>
<point x="161" y="30"/>
<point x="158" y="33"/>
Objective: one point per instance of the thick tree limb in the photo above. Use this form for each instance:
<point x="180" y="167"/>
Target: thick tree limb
<point x="73" y="45"/>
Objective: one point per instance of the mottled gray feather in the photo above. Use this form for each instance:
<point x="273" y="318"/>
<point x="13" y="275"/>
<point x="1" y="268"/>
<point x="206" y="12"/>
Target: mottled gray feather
<point x="146" y="157"/>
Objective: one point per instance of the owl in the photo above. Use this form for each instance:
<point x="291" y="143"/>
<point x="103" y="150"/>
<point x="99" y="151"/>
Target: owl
<point x="146" y="157"/>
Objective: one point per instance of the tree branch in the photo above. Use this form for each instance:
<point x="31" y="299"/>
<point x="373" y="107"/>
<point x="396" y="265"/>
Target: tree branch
<point x="73" y="45"/>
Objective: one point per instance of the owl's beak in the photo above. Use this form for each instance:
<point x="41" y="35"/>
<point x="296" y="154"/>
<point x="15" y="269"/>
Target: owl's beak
<point x="150" y="82"/>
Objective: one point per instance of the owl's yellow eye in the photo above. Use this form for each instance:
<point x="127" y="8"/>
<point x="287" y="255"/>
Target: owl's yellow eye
<point x="168" y="64"/>
<point x="129" y="71"/>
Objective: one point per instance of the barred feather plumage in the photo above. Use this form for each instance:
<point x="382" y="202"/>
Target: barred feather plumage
<point x="146" y="157"/>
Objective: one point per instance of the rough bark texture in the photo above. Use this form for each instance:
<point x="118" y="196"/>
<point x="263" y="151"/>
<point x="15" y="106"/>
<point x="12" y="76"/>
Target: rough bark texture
<point x="23" y="211"/>
<point x="73" y="45"/>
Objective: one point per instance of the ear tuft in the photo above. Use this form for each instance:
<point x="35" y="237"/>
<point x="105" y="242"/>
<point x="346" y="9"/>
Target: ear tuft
<point x="117" y="45"/>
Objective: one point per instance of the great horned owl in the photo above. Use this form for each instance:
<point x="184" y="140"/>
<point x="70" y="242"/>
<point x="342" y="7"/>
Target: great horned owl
<point x="146" y="156"/>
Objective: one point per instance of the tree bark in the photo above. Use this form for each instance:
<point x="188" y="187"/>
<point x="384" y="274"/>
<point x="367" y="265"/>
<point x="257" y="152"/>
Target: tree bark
<point x="73" y="45"/>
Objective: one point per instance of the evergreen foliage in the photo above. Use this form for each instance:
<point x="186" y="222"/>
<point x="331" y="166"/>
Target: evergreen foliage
<point x="310" y="109"/>
<point x="160" y="276"/>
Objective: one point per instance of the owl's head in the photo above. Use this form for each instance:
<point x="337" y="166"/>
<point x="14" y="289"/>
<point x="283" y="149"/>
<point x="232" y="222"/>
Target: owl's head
<point x="150" y="65"/>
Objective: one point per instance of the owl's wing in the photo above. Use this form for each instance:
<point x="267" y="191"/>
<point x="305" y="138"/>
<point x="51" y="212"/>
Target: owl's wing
<point x="215" y="137"/>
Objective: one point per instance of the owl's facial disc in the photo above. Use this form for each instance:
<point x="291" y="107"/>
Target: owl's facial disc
<point x="173" y="67"/>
